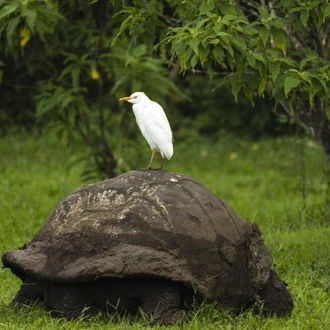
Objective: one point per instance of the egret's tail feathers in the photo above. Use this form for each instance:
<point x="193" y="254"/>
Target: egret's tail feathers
<point x="168" y="151"/>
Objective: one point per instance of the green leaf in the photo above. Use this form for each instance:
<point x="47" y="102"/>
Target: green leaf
<point x="240" y="43"/>
<point x="326" y="12"/>
<point x="316" y="87"/>
<point x="249" y="30"/>
<point x="206" y="8"/>
<point x="263" y="13"/>
<point x="31" y="18"/>
<point x="194" y="61"/>
<point x="311" y="56"/>
<point x="208" y="40"/>
<point x="230" y="19"/>
<point x="259" y="57"/>
<point x="264" y="35"/>
<point x="223" y="34"/>
<point x="229" y="50"/>
<point x="7" y="10"/>
<point x="305" y="76"/>
<point x="251" y="59"/>
<point x="140" y="50"/>
<point x="262" y="85"/>
<point x="274" y="71"/>
<point x="279" y="23"/>
<point x="304" y="17"/>
<point x="235" y="86"/>
<point x="201" y="23"/>
<point x="248" y="94"/>
<point x="320" y="80"/>
<point x="313" y="4"/>
<point x="194" y="45"/>
<point x="286" y="60"/>
<point x="280" y="40"/>
<point x="75" y="74"/>
<point x="290" y="83"/>
<point x="218" y="55"/>
<point x="228" y="10"/>
<point x="11" y="30"/>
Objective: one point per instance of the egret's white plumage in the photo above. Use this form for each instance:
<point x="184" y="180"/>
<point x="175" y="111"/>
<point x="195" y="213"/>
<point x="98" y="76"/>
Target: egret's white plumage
<point x="153" y="123"/>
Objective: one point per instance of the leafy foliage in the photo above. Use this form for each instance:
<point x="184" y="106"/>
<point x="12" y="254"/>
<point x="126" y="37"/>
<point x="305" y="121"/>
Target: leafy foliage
<point x="72" y="60"/>
<point x="66" y="50"/>
<point x="261" y="53"/>
<point x="278" y="47"/>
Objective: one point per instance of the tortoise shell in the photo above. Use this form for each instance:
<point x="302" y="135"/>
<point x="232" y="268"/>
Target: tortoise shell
<point x="148" y="224"/>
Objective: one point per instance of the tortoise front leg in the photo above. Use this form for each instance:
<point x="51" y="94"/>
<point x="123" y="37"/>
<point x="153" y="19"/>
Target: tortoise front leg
<point x="69" y="301"/>
<point x="30" y="291"/>
<point x="163" y="305"/>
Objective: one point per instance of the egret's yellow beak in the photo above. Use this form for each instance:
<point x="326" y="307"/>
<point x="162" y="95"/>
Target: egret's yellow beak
<point x="125" y="98"/>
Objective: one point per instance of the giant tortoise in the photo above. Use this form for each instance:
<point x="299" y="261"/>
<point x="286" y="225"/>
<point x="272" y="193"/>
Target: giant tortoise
<point x="150" y="241"/>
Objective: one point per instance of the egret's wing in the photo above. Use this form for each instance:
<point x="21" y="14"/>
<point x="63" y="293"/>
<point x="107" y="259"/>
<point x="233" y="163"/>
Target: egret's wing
<point x="158" y="128"/>
<point x="159" y="119"/>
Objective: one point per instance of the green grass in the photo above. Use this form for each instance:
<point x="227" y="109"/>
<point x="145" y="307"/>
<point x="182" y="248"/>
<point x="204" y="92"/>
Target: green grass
<point x="278" y="183"/>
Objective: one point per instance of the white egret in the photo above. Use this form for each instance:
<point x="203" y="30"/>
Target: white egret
<point x="153" y="123"/>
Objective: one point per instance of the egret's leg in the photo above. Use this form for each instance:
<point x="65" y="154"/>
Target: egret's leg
<point x="152" y="158"/>
<point x="161" y="161"/>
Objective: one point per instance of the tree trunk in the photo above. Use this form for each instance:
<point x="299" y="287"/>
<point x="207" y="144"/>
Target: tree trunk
<point x="318" y="124"/>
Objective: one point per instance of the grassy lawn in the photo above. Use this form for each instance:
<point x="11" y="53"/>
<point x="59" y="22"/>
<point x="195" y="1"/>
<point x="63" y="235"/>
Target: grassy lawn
<point x="278" y="183"/>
